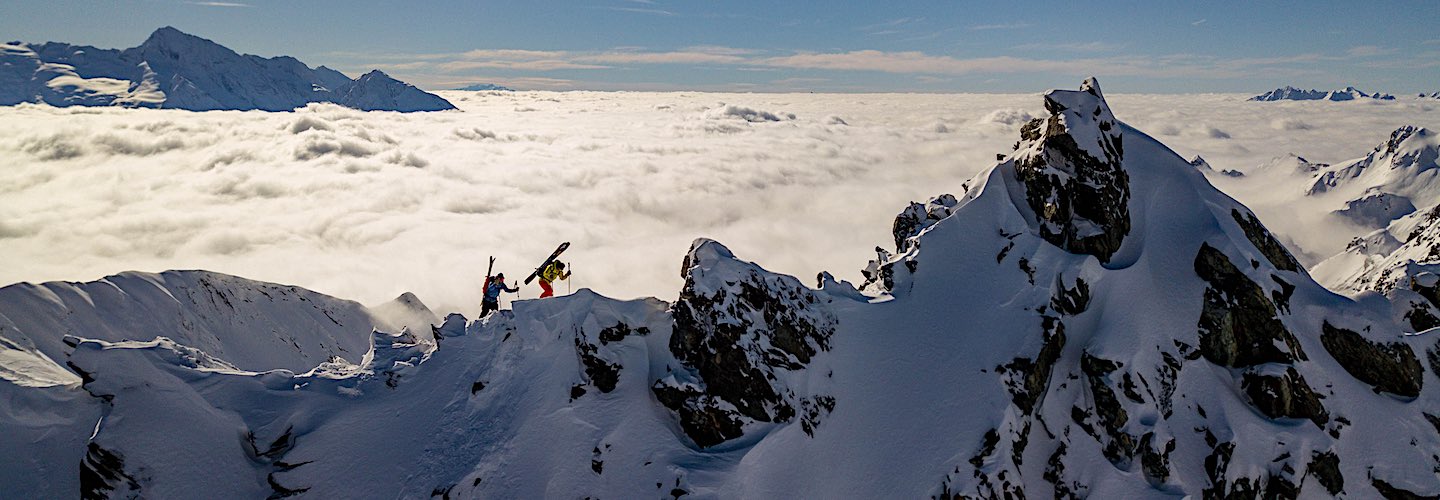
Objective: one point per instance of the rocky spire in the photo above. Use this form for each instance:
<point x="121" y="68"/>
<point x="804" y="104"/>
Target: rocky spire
<point x="1071" y="163"/>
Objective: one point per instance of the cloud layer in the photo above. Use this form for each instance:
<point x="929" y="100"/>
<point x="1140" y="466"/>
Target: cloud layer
<point x="369" y="205"/>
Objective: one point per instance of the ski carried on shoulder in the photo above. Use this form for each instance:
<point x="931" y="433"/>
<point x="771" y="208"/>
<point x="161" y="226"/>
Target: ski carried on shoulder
<point x="547" y="262"/>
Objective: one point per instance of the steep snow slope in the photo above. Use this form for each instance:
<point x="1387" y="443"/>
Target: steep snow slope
<point x="252" y="324"/>
<point x="1089" y="318"/>
<point x="172" y="69"/>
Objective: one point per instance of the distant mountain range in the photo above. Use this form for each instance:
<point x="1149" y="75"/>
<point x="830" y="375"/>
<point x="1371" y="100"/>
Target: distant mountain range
<point x="172" y="69"/>
<point x="1289" y="93"/>
<point x="486" y="86"/>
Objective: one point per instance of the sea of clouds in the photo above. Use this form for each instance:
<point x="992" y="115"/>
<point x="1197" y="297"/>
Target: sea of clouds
<point x="366" y="205"/>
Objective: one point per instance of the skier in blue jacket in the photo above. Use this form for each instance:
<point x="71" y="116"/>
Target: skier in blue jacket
<point x="493" y="286"/>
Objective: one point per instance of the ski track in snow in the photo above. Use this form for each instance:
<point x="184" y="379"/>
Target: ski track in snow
<point x="367" y="205"/>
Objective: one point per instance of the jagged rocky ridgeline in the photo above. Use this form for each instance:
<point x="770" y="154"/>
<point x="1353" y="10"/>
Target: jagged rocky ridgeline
<point x="1289" y="93"/>
<point x="1090" y="318"/>
<point x="172" y="69"/>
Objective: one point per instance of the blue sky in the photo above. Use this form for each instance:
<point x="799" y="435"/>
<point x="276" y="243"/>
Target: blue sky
<point x="925" y="46"/>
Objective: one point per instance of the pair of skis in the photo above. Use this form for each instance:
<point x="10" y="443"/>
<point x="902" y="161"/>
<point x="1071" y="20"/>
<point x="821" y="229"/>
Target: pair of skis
<point x="537" y="271"/>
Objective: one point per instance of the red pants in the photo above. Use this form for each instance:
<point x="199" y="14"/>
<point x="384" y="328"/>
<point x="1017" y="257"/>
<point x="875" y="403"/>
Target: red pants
<point x="545" y="285"/>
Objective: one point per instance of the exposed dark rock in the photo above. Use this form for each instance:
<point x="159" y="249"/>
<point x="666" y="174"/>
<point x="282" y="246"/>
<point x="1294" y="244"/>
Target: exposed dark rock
<point x="614" y="333"/>
<point x="1119" y="446"/>
<point x="992" y="438"/>
<point x="1080" y="200"/>
<point x="1017" y="446"/>
<point x="1286" y="396"/>
<point x="1420" y="317"/>
<point x="917" y="217"/>
<point x="1267" y="486"/>
<point x="702" y="417"/>
<point x="811" y="410"/>
<point x="1325" y="468"/>
<point x="1433" y="356"/>
<point x="601" y="374"/>
<point x="1282" y="296"/>
<point x="1027" y="269"/>
<point x="476" y="387"/>
<point x="880" y="273"/>
<point x="1155" y="462"/>
<point x="1265" y="242"/>
<point x="1055" y="474"/>
<point x="1390" y="367"/>
<point x="1215" y="465"/>
<point x="1071" y="301"/>
<point x="279" y="491"/>
<point x="1239" y="326"/>
<point x="1028" y="379"/>
<point x="1392" y="492"/>
<point x="1434" y="421"/>
<point x="102" y="475"/>
<point x="1168" y="371"/>
<point x="724" y="322"/>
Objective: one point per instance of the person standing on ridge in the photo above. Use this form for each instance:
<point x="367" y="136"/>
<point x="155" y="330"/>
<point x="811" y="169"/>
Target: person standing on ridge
<point x="493" y="286"/>
<point x="552" y="272"/>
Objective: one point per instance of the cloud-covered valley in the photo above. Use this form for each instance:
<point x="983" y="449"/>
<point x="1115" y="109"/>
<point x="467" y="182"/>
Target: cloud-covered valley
<point x="369" y="205"/>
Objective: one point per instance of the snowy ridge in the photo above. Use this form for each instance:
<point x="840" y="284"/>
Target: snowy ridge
<point x="172" y="69"/>
<point x="252" y="324"/>
<point x="1090" y="319"/>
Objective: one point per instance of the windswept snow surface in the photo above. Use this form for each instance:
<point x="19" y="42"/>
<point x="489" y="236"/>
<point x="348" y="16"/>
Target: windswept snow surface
<point x="370" y="205"/>
<point x="1088" y="317"/>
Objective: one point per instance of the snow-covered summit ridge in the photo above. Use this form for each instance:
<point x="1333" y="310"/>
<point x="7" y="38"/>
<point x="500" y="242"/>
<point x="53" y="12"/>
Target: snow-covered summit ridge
<point x="1288" y="93"/>
<point x="173" y="69"/>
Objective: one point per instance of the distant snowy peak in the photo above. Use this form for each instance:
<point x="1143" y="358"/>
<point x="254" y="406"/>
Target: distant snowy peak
<point x="1406" y="164"/>
<point x="376" y="91"/>
<point x="173" y="69"/>
<point x="1432" y="95"/>
<point x="479" y="87"/>
<point x="1205" y="168"/>
<point x="1294" y="94"/>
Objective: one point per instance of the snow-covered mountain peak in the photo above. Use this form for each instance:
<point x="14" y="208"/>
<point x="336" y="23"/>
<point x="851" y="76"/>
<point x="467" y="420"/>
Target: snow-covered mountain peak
<point x="1411" y="156"/>
<point x="378" y="91"/>
<point x="1407" y="142"/>
<point x="173" y="69"/>
<point x="1071" y="164"/>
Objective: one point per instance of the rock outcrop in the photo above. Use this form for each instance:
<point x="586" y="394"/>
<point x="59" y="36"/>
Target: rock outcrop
<point x="1072" y="166"/>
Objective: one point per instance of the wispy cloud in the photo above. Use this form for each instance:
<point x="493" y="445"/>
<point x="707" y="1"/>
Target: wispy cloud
<point x="1072" y="47"/>
<point x="1004" y="26"/>
<point x="1368" y="51"/>
<point x="640" y="10"/>
<point x="1069" y="59"/>
<point x="220" y="4"/>
<point x="1198" y="22"/>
